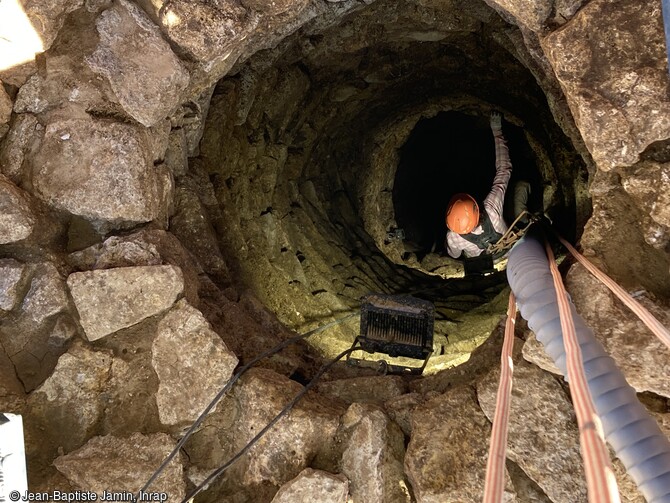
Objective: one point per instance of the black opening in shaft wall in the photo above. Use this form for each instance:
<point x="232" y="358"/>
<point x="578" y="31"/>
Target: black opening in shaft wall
<point x="450" y="153"/>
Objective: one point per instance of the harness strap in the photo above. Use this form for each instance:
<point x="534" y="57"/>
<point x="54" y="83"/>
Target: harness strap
<point x="494" y="484"/>
<point x="600" y="481"/>
<point x="487" y="237"/>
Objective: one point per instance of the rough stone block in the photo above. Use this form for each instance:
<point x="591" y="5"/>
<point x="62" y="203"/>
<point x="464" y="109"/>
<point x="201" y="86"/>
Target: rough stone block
<point x="146" y="76"/>
<point x="314" y="485"/>
<point x="102" y="171"/>
<point x="11" y="389"/>
<point x="205" y="31"/>
<point x="46" y="296"/>
<point x="541" y="420"/>
<point x="287" y="449"/>
<point x="18" y="140"/>
<point x="5" y="110"/>
<point x="446" y="455"/>
<point x="70" y="402"/>
<point x="377" y="389"/>
<point x="112" y="299"/>
<point x="372" y="457"/>
<point x="47" y="18"/>
<point x="116" y="464"/>
<point x="275" y="7"/>
<point x="66" y="81"/>
<point x="192" y="364"/>
<point x="618" y="98"/>
<point x="146" y="247"/>
<point x="640" y="355"/>
<point x="31" y="97"/>
<point x="11" y="272"/>
<point x="533" y="351"/>
<point x="642" y="183"/>
<point x="35" y="335"/>
<point x="176" y="156"/>
<point x="400" y="409"/>
<point x="531" y="14"/>
<point x="192" y="226"/>
<point x="16" y="218"/>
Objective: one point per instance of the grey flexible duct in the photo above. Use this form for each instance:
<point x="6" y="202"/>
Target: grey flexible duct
<point x="633" y="434"/>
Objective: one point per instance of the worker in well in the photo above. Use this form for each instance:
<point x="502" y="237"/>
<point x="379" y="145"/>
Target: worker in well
<point x="473" y="227"/>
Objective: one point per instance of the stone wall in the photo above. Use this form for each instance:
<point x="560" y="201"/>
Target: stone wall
<point x="183" y="183"/>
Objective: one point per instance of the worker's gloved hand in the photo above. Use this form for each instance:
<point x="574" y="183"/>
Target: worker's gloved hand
<point x="496" y="121"/>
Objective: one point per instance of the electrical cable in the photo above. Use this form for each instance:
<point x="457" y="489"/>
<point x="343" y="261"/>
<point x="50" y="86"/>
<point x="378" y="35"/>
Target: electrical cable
<point x="260" y="434"/>
<point x="229" y="384"/>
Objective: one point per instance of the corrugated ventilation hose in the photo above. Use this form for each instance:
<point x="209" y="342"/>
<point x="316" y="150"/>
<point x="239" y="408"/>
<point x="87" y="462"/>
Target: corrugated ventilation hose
<point x="633" y="434"/>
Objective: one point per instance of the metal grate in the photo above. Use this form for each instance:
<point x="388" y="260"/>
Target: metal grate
<point x="393" y="328"/>
<point x="397" y="325"/>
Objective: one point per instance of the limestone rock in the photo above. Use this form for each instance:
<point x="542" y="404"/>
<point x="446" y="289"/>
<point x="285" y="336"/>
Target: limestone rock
<point x="640" y="355"/>
<point x="146" y="76"/>
<point x="116" y="464"/>
<point x="56" y="87"/>
<point x="532" y="15"/>
<point x="176" y="156"/>
<point x="190" y="119"/>
<point x="372" y="458"/>
<point x="35" y="335"/>
<point x="400" y="410"/>
<point x="192" y="364"/>
<point x="47" y="18"/>
<point x="377" y="389"/>
<point x="143" y="248"/>
<point x="71" y="399"/>
<point x="314" y="485"/>
<point x="210" y="31"/>
<point x="46" y="296"/>
<point x="29" y="28"/>
<point x="111" y="299"/>
<point x="642" y="184"/>
<point x="286" y="450"/>
<point x="5" y="111"/>
<point x="102" y="171"/>
<point x="619" y="100"/>
<point x="564" y="10"/>
<point x="622" y="247"/>
<point x="526" y="489"/>
<point x="533" y="351"/>
<point x="215" y="441"/>
<point x="31" y="97"/>
<point x="117" y="251"/>
<point x="16" y="144"/>
<point x="11" y="272"/>
<point x="275" y="7"/>
<point x="446" y="455"/>
<point x="16" y="218"/>
<point x="543" y="438"/>
<point x="132" y="384"/>
<point x="191" y="225"/>
<point x="10" y="386"/>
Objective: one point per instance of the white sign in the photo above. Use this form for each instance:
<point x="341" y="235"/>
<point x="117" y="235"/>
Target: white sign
<point x="12" y="456"/>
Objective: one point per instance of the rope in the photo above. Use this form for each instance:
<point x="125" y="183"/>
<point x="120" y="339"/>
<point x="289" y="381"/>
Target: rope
<point x="511" y="236"/>
<point x="645" y="316"/>
<point x="267" y="428"/>
<point x="495" y="466"/>
<point x="228" y="385"/>
<point x="600" y="481"/>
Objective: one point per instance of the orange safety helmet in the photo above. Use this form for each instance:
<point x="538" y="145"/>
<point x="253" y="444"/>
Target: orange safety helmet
<point x="462" y="213"/>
